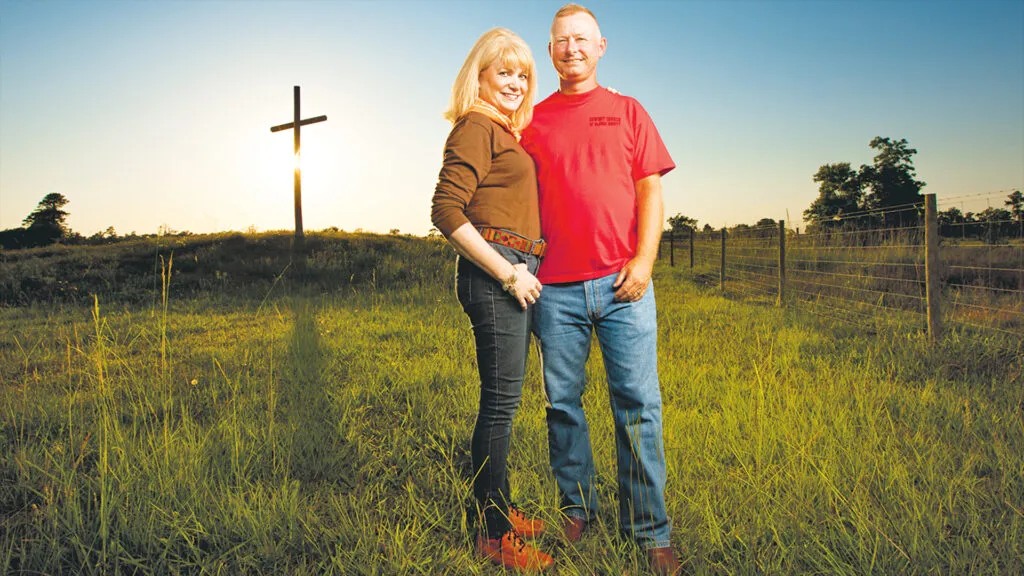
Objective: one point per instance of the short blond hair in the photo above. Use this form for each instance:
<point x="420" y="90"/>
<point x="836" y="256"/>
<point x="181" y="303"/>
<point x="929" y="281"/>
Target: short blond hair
<point x="571" y="9"/>
<point x="496" y="45"/>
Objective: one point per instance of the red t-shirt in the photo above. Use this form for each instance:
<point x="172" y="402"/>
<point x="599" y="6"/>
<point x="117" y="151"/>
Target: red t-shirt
<point x="589" y="150"/>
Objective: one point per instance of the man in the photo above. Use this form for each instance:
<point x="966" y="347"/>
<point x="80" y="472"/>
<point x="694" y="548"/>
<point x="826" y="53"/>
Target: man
<point x="599" y="165"/>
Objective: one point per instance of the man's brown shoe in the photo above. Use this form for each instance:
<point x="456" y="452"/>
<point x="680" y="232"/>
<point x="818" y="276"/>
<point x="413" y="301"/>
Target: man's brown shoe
<point x="511" y="551"/>
<point x="663" y="561"/>
<point x="572" y="529"/>
<point x="525" y="527"/>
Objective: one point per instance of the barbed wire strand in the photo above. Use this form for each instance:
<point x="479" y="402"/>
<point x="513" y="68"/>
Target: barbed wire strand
<point x="979" y="223"/>
<point x="869" y="290"/>
<point x="760" y="288"/>
<point x="752" y="271"/>
<point x="871" y="212"/>
<point x="862" y="303"/>
<point x="757" y="275"/>
<point x="980" y="327"/>
<point x="751" y="246"/>
<point x="989" y="288"/>
<point x="751" y="261"/>
<point x="845" y="310"/>
<point x="879" y="231"/>
<point x="1003" y="193"/>
<point x="857" y="276"/>
<point x="985" y="246"/>
<point x="841" y="316"/>
<point x="840" y="247"/>
<point x="962" y="304"/>
<point x="906" y="264"/>
<point x="985" y="268"/>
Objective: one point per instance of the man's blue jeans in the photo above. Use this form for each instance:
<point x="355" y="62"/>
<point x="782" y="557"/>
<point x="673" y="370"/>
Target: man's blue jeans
<point x="564" y="318"/>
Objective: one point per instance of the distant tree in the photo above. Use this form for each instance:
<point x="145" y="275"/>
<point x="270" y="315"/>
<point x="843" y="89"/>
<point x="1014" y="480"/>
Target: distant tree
<point x="1016" y="204"/>
<point x="104" y="237"/>
<point x="992" y="214"/>
<point x="840" y="192"/>
<point x="952" y="223"/>
<point x="892" y="181"/>
<point x="707" y="229"/>
<point x="996" y="224"/>
<point x="14" y="238"/>
<point x="972" y="227"/>
<point x="395" y="232"/>
<point x="48" y="222"/>
<point x="766" y="228"/>
<point x="741" y="231"/>
<point x="680" y="224"/>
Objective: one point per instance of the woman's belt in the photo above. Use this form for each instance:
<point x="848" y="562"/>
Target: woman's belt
<point x="514" y="241"/>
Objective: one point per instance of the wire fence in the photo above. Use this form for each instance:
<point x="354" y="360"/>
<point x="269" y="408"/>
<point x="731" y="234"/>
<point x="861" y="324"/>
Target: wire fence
<point x="951" y="264"/>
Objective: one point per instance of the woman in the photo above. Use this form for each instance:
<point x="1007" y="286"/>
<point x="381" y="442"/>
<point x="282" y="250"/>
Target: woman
<point x="485" y="204"/>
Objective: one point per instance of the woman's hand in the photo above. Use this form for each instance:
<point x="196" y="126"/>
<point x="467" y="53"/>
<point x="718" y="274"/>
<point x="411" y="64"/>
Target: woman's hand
<point x="526" y="288"/>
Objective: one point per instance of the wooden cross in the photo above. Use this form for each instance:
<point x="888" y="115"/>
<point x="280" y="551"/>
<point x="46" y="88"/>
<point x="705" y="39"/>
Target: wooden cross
<point x="296" y="124"/>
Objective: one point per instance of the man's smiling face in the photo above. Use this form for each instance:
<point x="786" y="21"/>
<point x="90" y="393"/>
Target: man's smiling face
<point x="576" y="46"/>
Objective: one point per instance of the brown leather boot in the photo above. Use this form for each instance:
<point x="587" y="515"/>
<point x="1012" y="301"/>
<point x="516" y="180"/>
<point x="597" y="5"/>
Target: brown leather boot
<point x="572" y="529"/>
<point x="511" y="551"/>
<point x="663" y="561"/>
<point x="525" y="527"/>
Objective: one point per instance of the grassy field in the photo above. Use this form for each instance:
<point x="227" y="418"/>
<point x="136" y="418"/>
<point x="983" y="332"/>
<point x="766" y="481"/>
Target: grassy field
<point x="235" y="417"/>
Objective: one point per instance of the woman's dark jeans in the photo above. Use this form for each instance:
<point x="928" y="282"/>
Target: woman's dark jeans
<point x="502" y="332"/>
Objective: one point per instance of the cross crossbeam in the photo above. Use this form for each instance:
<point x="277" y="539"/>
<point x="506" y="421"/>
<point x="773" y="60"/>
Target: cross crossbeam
<point x="291" y="125"/>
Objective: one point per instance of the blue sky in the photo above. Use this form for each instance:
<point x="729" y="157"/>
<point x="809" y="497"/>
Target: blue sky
<point x="158" y="113"/>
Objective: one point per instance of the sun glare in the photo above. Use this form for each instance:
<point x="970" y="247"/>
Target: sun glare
<point x="268" y="167"/>
<point x="282" y="160"/>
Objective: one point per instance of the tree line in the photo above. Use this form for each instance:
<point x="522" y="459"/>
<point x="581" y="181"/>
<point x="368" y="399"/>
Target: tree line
<point x="877" y="195"/>
<point x="883" y="194"/>
<point x="48" y="224"/>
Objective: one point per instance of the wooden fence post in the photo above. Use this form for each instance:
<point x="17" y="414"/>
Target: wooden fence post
<point x="671" y="247"/>
<point x="691" y="248"/>
<point x="722" y="273"/>
<point x="782" y="262"/>
<point x="933" y="289"/>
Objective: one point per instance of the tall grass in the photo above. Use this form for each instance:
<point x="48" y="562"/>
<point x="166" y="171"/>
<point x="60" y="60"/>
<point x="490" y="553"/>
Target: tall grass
<point x="323" y="426"/>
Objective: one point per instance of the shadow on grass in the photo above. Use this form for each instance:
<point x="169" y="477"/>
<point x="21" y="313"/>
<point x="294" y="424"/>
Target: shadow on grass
<point x="315" y="449"/>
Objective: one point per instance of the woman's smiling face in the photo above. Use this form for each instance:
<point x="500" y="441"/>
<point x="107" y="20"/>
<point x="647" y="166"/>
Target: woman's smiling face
<point x="503" y="87"/>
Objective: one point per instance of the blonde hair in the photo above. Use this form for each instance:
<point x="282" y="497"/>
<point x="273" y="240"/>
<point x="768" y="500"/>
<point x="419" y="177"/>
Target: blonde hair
<point x="570" y="9"/>
<point x="496" y="45"/>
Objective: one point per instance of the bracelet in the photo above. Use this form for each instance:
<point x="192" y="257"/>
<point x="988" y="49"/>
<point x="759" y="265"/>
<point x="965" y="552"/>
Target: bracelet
<point x="509" y="285"/>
